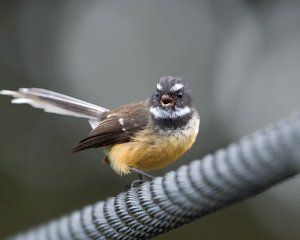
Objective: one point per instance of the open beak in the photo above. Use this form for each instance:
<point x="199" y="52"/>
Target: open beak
<point x="167" y="101"/>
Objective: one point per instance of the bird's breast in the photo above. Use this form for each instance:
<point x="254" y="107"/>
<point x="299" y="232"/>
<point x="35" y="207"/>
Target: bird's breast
<point x="152" y="149"/>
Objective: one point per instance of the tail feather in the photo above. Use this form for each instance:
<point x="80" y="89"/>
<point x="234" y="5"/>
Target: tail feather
<point x="56" y="103"/>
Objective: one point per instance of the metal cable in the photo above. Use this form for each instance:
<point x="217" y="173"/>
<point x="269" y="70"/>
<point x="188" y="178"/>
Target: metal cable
<point x="240" y="171"/>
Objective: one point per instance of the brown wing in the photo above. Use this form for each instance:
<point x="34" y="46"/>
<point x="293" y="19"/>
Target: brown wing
<point x="117" y="126"/>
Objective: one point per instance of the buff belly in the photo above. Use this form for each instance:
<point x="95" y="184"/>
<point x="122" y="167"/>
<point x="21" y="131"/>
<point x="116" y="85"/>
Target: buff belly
<point x="148" y="151"/>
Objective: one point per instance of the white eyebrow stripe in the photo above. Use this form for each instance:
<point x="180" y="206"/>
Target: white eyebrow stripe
<point x="176" y="87"/>
<point x="121" y="121"/>
<point x="179" y="112"/>
<point x="159" y="87"/>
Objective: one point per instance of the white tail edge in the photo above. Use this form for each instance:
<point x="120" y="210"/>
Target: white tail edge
<point x="54" y="102"/>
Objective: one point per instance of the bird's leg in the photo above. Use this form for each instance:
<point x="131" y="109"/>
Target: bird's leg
<point x="142" y="175"/>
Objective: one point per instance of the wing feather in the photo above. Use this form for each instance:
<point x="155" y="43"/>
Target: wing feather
<point x="117" y="126"/>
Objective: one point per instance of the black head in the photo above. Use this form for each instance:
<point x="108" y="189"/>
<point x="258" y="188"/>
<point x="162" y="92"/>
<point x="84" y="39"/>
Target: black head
<point x="171" y="102"/>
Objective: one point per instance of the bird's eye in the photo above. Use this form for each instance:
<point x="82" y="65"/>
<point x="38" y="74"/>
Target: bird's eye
<point x="179" y="94"/>
<point x="156" y="94"/>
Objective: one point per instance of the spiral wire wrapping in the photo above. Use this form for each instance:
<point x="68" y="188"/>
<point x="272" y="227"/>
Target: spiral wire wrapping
<point x="240" y="171"/>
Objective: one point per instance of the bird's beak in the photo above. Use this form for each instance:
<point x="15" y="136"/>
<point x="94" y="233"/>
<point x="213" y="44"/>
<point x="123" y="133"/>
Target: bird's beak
<point x="167" y="101"/>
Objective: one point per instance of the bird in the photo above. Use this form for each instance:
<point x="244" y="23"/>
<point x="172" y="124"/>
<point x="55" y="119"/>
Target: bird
<point x="137" y="137"/>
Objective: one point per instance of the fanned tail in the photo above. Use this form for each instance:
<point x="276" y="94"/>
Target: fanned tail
<point x="53" y="102"/>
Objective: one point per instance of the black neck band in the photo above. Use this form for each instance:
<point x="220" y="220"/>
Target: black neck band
<point x="172" y="123"/>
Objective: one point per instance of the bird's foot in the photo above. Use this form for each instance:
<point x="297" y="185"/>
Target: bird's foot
<point x="143" y="177"/>
<point x="134" y="184"/>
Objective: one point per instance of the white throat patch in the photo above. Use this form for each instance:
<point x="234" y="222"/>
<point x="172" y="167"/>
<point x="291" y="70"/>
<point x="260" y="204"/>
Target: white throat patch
<point x="158" y="112"/>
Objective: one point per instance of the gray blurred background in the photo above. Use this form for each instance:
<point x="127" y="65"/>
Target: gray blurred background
<point x="242" y="59"/>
